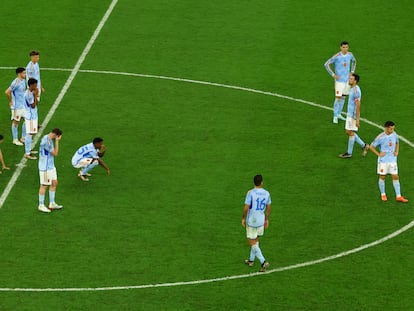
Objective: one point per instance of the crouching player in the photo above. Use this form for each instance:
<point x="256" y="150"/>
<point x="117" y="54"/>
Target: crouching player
<point x="89" y="156"/>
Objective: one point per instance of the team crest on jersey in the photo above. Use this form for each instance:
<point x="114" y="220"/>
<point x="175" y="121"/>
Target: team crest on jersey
<point x="344" y="64"/>
<point x="390" y="144"/>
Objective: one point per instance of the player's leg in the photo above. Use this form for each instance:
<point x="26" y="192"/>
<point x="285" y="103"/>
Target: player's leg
<point x="251" y="235"/>
<point x="42" y="192"/>
<point x="345" y="91"/>
<point x="363" y="145"/>
<point x="15" y="132"/>
<point x="263" y="263"/>
<point x="397" y="189"/>
<point x="381" y="186"/>
<point x="22" y="139"/>
<point x="52" y="190"/>
<point x="28" y="147"/>
<point x="339" y="101"/>
<point x="85" y="171"/>
<point x="350" y="127"/>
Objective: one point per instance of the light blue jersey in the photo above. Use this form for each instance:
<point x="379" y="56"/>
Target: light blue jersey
<point x="31" y="113"/>
<point x="33" y="71"/>
<point x="344" y="64"/>
<point x="257" y="199"/>
<point x="354" y="96"/>
<point x="86" y="151"/>
<point x="46" y="158"/>
<point x="18" y="87"/>
<point x="387" y="144"/>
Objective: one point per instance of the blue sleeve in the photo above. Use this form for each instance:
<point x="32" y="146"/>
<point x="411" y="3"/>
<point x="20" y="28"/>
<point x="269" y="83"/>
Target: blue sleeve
<point x="353" y="60"/>
<point x="13" y="85"/>
<point x="248" y="198"/>
<point x="328" y="65"/>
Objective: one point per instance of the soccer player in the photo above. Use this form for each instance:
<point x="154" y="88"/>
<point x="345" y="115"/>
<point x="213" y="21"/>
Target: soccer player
<point x="256" y="218"/>
<point x="89" y="156"/>
<point x="31" y="117"/>
<point x="47" y="170"/>
<point x="33" y="71"/>
<point x="3" y="165"/>
<point x="352" y="118"/>
<point x="15" y="94"/>
<point x="387" y="159"/>
<point x="344" y="63"/>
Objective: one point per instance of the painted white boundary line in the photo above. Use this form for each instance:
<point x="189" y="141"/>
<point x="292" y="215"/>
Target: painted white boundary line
<point x="226" y="278"/>
<point x="234" y="87"/>
<point x="57" y="102"/>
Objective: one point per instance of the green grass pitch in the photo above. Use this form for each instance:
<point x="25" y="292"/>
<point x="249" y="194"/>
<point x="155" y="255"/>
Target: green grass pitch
<point x="182" y="156"/>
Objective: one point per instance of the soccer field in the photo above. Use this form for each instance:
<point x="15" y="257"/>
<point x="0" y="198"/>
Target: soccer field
<point x="193" y="98"/>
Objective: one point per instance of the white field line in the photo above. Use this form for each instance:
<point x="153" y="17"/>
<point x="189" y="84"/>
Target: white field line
<point x="227" y="278"/>
<point x="57" y="102"/>
<point x="234" y="87"/>
<point x="221" y="279"/>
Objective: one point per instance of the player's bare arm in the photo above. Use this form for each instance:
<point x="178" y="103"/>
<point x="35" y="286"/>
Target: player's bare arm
<point x="357" y="111"/>
<point x="102" y="163"/>
<point x="4" y="167"/>
<point x="55" y="152"/>
<point x="376" y="152"/>
<point x="102" y="151"/>
<point x="245" y="210"/>
<point x="9" y="97"/>
<point x="267" y="214"/>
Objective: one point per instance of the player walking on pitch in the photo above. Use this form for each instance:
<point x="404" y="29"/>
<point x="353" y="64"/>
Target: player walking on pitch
<point x="387" y="159"/>
<point x="344" y="64"/>
<point x="89" y="156"/>
<point x="256" y="218"/>
<point x="352" y="118"/>
<point x="47" y="170"/>
<point x="15" y="94"/>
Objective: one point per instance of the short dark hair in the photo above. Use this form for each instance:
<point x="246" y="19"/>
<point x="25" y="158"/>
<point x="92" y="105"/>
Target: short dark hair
<point x="97" y="140"/>
<point x="344" y="43"/>
<point x="1" y="137"/>
<point x="258" y="179"/>
<point x="57" y="131"/>
<point x="356" y="77"/>
<point x="389" y="123"/>
<point x="31" y="81"/>
<point x="33" y="53"/>
<point x="20" y="70"/>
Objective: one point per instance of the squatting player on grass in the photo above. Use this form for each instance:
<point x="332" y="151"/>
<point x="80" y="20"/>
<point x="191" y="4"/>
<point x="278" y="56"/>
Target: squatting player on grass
<point x="89" y="156"/>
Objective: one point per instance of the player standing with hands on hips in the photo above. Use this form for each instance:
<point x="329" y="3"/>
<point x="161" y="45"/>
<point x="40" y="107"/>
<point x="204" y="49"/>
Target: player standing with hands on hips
<point x="33" y="71"/>
<point x="256" y="218"/>
<point x="352" y="119"/>
<point x="344" y="64"/>
<point x="389" y="147"/>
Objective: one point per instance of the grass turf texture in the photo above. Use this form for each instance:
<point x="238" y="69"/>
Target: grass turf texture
<point x="182" y="157"/>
